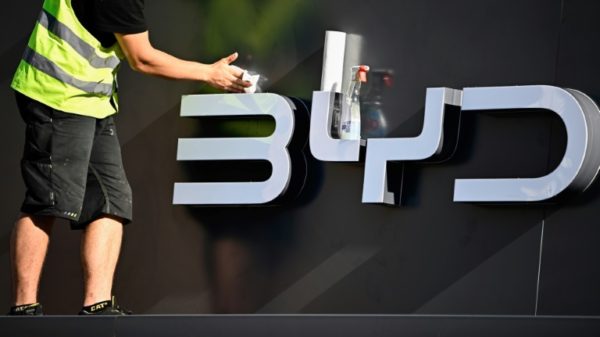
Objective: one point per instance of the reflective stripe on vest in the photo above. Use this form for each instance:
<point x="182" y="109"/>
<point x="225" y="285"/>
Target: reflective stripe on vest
<point x="51" y="69"/>
<point x="88" y="52"/>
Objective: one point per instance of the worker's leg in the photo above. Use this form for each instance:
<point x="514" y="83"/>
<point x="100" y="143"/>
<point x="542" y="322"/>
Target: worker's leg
<point x="28" y="247"/>
<point x="107" y="206"/>
<point x="100" y="248"/>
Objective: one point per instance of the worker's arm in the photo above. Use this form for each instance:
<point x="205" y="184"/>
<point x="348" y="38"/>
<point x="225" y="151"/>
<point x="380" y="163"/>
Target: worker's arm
<point x="144" y="58"/>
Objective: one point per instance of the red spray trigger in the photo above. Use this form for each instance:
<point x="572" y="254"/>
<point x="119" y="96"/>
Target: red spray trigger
<point x="362" y="73"/>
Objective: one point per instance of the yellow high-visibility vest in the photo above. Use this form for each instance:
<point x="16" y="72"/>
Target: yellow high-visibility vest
<point x="65" y="67"/>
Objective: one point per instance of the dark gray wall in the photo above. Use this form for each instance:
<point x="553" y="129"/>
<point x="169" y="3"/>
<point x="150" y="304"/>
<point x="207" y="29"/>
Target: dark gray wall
<point x="326" y="252"/>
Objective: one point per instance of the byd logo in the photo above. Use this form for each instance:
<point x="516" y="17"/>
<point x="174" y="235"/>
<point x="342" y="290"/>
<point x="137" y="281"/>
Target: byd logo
<point x="575" y="173"/>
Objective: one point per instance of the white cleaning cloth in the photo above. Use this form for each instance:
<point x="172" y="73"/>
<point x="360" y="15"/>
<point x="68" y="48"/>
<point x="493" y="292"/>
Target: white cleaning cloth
<point x="252" y="79"/>
<point x="247" y="77"/>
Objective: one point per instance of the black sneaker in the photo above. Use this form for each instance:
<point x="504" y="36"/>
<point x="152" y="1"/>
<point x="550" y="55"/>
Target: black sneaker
<point x="34" y="309"/>
<point x="109" y="307"/>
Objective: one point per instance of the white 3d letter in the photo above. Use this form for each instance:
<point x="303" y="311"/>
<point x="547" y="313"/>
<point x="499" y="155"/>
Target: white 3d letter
<point x="580" y="163"/>
<point x="427" y="144"/>
<point x="272" y="149"/>
<point x="322" y="145"/>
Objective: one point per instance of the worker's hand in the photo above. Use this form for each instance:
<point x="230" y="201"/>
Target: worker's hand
<point x="224" y="76"/>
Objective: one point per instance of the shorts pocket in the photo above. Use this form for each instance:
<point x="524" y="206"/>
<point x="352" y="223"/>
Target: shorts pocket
<point x="38" y="179"/>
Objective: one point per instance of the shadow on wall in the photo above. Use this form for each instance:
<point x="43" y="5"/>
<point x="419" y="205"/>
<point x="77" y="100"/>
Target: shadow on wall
<point x="245" y="249"/>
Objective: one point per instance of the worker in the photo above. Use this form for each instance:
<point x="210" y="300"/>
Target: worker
<point x="66" y="91"/>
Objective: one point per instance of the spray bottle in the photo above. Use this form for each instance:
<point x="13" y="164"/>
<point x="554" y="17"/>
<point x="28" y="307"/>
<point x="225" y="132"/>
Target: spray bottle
<point x="350" y="119"/>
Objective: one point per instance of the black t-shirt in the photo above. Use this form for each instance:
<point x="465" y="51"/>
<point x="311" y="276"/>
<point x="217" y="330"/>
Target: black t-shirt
<point x="103" y="18"/>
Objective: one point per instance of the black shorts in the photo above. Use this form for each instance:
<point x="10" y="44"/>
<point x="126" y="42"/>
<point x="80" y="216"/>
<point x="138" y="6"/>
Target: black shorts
<point x="72" y="166"/>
